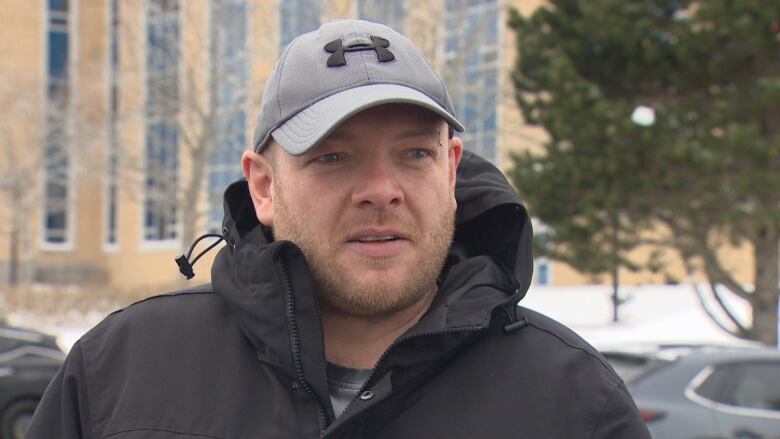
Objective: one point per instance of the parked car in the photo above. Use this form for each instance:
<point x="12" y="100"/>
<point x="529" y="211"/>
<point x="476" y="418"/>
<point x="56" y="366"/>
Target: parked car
<point x="28" y="361"/>
<point x="715" y="392"/>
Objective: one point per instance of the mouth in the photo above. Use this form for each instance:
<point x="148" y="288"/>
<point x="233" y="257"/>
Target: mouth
<point x="378" y="243"/>
<point x="372" y="239"/>
<point x="376" y="236"/>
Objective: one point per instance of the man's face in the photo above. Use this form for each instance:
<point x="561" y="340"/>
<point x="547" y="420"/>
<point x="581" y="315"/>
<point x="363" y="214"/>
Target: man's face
<point x="372" y="208"/>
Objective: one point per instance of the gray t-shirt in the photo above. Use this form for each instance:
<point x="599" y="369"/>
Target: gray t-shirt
<point x="344" y="384"/>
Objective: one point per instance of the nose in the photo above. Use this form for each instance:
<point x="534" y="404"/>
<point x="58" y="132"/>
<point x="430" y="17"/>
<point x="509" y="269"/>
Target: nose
<point x="378" y="187"/>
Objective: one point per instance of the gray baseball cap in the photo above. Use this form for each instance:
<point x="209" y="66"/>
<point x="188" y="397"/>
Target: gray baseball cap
<point x="324" y="77"/>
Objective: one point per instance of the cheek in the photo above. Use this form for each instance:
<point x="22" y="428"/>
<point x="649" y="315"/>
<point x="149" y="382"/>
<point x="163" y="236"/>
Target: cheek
<point x="318" y="208"/>
<point x="432" y="198"/>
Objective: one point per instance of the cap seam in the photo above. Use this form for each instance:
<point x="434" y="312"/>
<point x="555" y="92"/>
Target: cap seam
<point x="281" y="70"/>
<point x="362" y="58"/>
<point x="365" y="67"/>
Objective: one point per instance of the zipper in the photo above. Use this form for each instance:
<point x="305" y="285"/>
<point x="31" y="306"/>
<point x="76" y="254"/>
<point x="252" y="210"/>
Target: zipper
<point x="295" y="342"/>
<point x="403" y="339"/>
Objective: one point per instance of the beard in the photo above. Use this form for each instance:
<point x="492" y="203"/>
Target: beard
<point x="341" y="288"/>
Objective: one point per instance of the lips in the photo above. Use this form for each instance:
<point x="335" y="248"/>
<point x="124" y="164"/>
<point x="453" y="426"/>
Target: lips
<point x="376" y="235"/>
<point x="377" y="243"/>
<point x="377" y="238"/>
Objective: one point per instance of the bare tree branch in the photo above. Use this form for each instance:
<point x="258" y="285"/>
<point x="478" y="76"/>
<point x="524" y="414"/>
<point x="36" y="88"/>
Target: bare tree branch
<point x="716" y="273"/>
<point x="713" y="316"/>
<point x="742" y="330"/>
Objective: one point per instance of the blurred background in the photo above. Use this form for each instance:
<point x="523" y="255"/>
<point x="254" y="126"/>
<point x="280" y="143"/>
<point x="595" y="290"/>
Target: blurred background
<point x="642" y="134"/>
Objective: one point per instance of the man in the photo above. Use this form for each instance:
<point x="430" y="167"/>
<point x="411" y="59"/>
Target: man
<point x="368" y="288"/>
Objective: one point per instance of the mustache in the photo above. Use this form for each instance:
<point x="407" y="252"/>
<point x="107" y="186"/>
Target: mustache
<point x="360" y="221"/>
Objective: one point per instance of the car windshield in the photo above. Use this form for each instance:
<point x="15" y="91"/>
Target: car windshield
<point x="631" y="367"/>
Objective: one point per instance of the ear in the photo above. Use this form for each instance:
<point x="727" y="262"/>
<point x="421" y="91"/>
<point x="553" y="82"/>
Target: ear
<point x="259" y="173"/>
<point x="454" y="155"/>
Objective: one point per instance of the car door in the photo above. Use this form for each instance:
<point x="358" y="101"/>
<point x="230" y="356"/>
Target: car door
<point x="750" y="401"/>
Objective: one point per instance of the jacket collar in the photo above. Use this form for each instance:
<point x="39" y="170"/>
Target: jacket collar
<point x="269" y="288"/>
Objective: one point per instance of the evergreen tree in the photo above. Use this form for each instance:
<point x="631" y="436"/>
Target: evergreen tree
<point x="706" y="166"/>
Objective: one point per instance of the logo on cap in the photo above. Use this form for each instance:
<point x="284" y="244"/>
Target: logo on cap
<point x="377" y="44"/>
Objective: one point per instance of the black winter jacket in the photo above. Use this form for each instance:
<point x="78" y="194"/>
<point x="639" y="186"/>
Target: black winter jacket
<point x="244" y="358"/>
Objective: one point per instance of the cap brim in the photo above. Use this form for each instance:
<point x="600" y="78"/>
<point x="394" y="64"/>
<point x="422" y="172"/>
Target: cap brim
<point x="312" y="125"/>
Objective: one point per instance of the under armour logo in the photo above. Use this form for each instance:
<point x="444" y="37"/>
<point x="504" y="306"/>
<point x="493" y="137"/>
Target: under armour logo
<point x="378" y="44"/>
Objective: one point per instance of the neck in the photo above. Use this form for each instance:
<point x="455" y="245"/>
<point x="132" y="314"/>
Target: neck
<point x="358" y="342"/>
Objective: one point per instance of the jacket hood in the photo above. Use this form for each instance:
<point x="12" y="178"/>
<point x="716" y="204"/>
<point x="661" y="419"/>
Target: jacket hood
<point x="268" y="286"/>
<point x="490" y="220"/>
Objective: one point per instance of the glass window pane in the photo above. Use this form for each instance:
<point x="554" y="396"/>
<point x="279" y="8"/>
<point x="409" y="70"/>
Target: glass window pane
<point x="757" y="386"/>
<point x="472" y="69"/>
<point x="58" y="5"/>
<point x="162" y="105"/>
<point x="58" y="54"/>
<point x="389" y="12"/>
<point x="713" y="387"/>
<point x="297" y="17"/>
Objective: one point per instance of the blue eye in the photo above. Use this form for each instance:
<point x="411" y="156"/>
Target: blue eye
<point x="419" y="153"/>
<point x="329" y="158"/>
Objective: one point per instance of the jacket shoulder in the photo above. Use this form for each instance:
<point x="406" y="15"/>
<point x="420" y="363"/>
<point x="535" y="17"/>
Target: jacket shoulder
<point x="158" y="310"/>
<point x="568" y="375"/>
<point x="158" y="323"/>
<point x="560" y="338"/>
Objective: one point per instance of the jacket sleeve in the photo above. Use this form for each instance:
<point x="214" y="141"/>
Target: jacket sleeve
<point x="63" y="412"/>
<point x="620" y="418"/>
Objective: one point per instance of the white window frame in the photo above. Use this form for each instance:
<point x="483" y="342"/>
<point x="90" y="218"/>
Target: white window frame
<point x="69" y="243"/>
<point x="153" y="245"/>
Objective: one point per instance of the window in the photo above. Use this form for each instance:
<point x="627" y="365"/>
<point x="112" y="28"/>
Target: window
<point x="542" y="272"/>
<point x="753" y="385"/>
<point x="162" y="113"/>
<point x="472" y="69"/>
<point x="542" y="265"/>
<point x="230" y="55"/>
<point x="58" y="5"/>
<point x="57" y="160"/>
<point x="756" y="386"/>
<point x="389" y="12"/>
<point x="110" y="237"/>
<point x="712" y="387"/>
<point x="297" y="17"/>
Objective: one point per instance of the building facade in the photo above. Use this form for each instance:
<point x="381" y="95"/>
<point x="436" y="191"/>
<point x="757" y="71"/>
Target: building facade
<point x="123" y="121"/>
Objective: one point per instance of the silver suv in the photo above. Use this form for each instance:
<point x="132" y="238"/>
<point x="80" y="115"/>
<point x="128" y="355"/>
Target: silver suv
<point x="686" y="392"/>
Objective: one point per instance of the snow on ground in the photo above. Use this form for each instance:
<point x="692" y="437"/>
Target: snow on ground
<point x="651" y="314"/>
<point x="68" y="327"/>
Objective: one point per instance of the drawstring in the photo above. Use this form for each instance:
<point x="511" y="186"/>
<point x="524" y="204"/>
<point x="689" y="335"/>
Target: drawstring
<point x="185" y="266"/>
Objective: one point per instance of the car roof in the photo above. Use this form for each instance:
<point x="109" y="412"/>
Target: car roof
<point x="694" y="353"/>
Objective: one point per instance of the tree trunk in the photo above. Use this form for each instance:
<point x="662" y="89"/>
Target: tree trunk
<point x="767" y="278"/>
<point x="15" y="236"/>
<point x="13" y="260"/>
<point x="615" y="265"/>
<point x="615" y="295"/>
